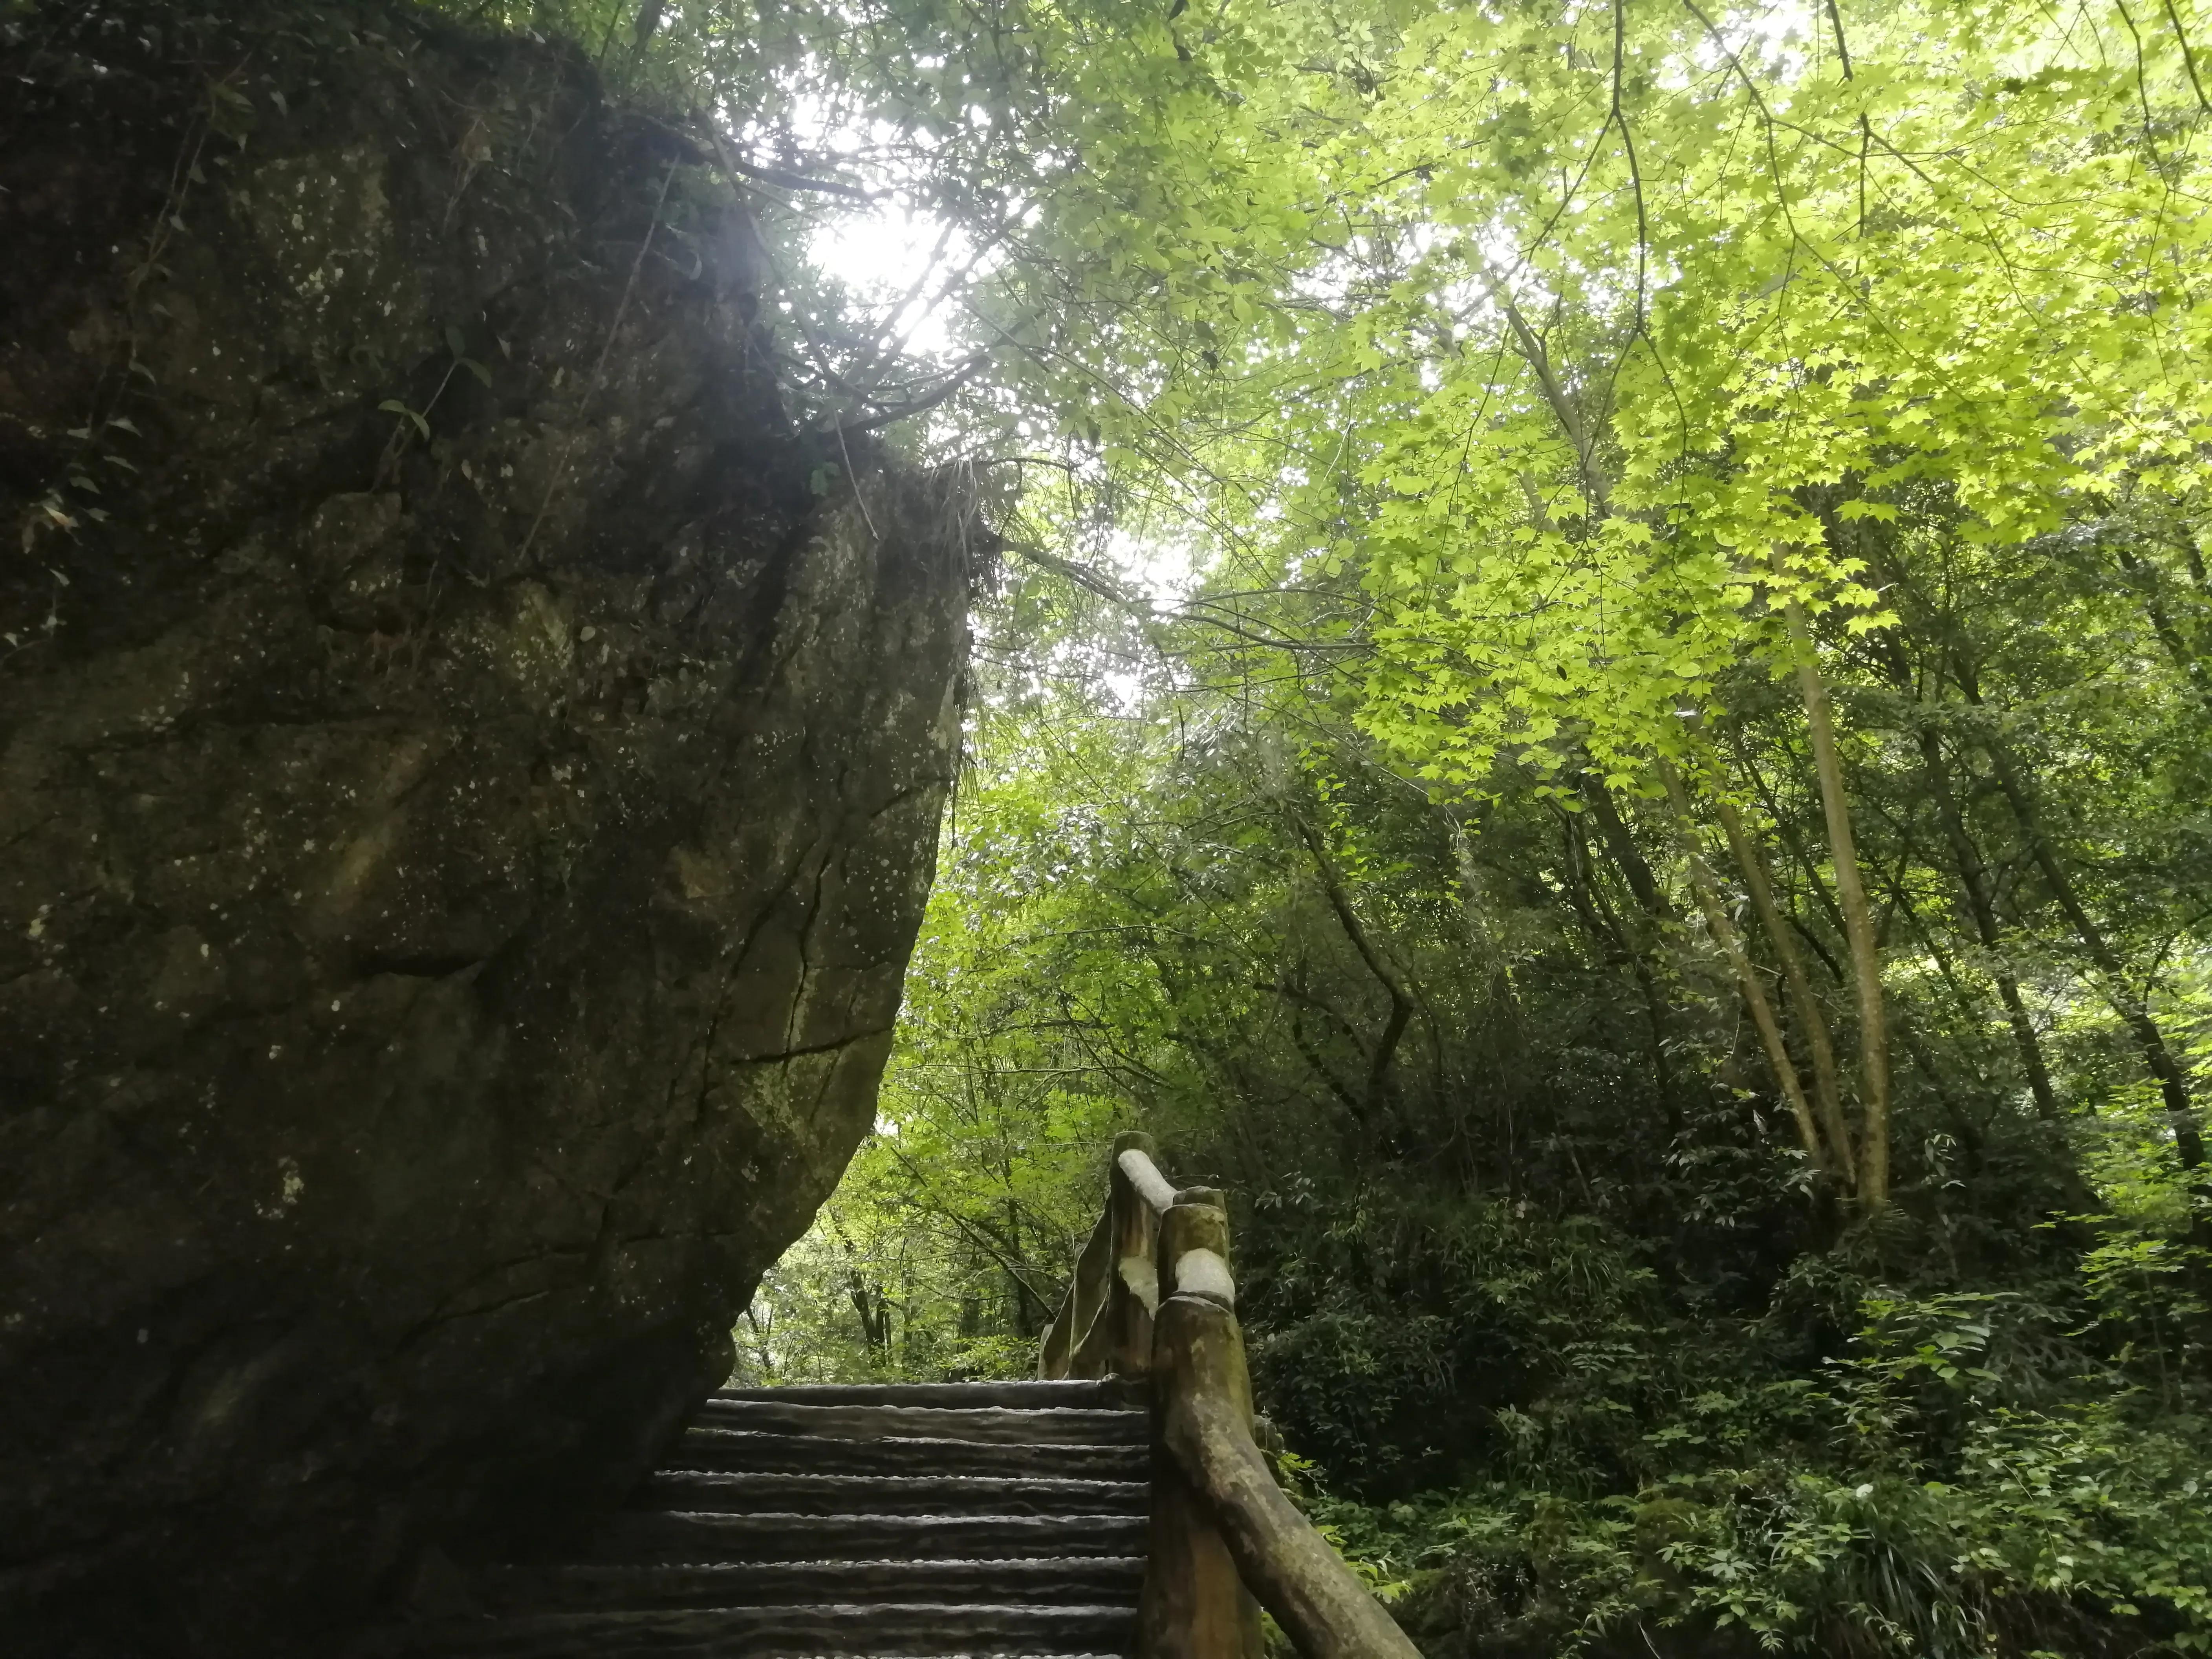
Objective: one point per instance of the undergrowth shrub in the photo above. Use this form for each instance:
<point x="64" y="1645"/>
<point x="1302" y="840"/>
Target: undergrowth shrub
<point x="1907" y="1500"/>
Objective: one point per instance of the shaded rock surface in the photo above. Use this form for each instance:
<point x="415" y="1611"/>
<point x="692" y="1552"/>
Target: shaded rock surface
<point x="470" y="770"/>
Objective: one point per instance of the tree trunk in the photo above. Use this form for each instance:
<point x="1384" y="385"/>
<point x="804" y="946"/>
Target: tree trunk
<point x="2145" y="578"/>
<point x="1859" y="923"/>
<point x="1644" y="943"/>
<point x="1827" y="1093"/>
<point x="2174" y="1088"/>
<point x="1754" y="993"/>
<point x="1973" y="877"/>
<point x="1379" y="963"/>
<point x="1622" y="845"/>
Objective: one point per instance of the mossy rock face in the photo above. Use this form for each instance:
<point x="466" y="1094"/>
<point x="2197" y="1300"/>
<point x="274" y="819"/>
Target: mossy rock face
<point x="461" y="855"/>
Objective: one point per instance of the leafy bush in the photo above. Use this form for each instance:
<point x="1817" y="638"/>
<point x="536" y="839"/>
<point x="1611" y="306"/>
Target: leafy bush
<point x="1904" y="1503"/>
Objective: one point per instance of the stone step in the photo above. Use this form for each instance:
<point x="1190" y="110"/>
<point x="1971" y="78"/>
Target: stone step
<point x="884" y="1629"/>
<point x="879" y="1494"/>
<point x="902" y="1521"/>
<point x="1104" y="1394"/>
<point x="743" y="1450"/>
<point x="1079" y="1581"/>
<point x="1000" y="1426"/>
<point x="696" y="1537"/>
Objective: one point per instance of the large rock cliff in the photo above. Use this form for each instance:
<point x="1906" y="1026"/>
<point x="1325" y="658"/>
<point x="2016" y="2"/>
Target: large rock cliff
<point x="469" y="771"/>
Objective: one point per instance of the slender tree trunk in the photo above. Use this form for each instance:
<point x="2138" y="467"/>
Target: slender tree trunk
<point x="1506" y="1022"/>
<point x="1969" y="1132"/>
<point x="1641" y="955"/>
<point x="1024" y="1325"/>
<point x="1504" y="996"/>
<point x="867" y="1299"/>
<point x="763" y="1355"/>
<point x="1975" y="884"/>
<point x="1974" y="878"/>
<point x="1647" y="942"/>
<point x="2146" y="578"/>
<point x="1858" y="921"/>
<point x="1378" y="961"/>
<point x="1946" y="969"/>
<point x="2078" y="1197"/>
<point x="1827" y="1092"/>
<point x="1605" y="933"/>
<point x="2173" y="1088"/>
<point x="2150" y="1043"/>
<point x="1634" y="868"/>
<point x="868" y="1302"/>
<point x="1815" y="884"/>
<point x="1754" y="993"/>
<point x="1315" y="1062"/>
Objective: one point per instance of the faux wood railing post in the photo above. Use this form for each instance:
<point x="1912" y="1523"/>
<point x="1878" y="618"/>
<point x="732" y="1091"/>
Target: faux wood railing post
<point x="1138" y="1197"/>
<point x="1152" y="1297"/>
<point x="1104" y="1324"/>
<point x="1094" y="1279"/>
<point x="1194" y="1605"/>
<point x="1207" y="1412"/>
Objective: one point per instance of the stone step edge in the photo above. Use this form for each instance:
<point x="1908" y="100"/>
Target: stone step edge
<point x="1119" y="1392"/>
<point x="822" y="1422"/>
<point x="937" y="1441"/>
<point x="996" y="1563"/>
<point x="1069" y="1484"/>
<point x="855" y="1612"/>
<point x="1040" y="1414"/>
<point x="1124" y="1519"/>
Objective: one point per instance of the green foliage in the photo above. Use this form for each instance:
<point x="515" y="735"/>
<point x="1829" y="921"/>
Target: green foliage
<point x="1840" y="1539"/>
<point x="944" y="1252"/>
<point x="1551" y="404"/>
<point x="1579" y="1375"/>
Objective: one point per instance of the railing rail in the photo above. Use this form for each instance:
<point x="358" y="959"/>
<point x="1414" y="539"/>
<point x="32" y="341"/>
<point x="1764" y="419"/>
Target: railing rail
<point x="1153" y="1299"/>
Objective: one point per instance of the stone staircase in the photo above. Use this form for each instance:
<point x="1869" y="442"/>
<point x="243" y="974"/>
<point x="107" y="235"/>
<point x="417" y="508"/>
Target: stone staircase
<point x="917" y="1519"/>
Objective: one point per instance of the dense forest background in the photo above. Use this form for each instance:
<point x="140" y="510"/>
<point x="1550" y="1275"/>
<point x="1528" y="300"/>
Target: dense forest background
<point x="1596" y="702"/>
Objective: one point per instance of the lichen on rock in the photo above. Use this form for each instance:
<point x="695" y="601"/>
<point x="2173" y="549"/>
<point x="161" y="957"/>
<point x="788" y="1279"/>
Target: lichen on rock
<point x="468" y="801"/>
